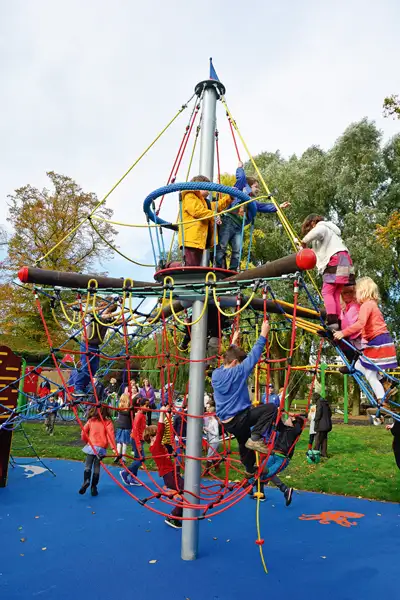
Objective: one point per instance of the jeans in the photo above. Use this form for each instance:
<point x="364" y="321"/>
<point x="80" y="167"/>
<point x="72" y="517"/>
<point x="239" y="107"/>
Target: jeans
<point x="83" y="377"/>
<point x="230" y="233"/>
<point x="138" y="454"/>
<point x="49" y="421"/>
<point x="260" y="418"/>
<point x="174" y="482"/>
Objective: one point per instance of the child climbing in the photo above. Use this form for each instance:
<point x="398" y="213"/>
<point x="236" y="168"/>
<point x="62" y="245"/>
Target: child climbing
<point x="197" y="235"/>
<point x="98" y="432"/>
<point x="394" y="428"/>
<point x="287" y="434"/>
<point x="248" y="424"/>
<point x="333" y="263"/>
<point x="230" y="231"/>
<point x="153" y="436"/>
<point x="348" y="317"/>
<point x="380" y="352"/>
<point x="138" y="427"/>
<point x="123" y="426"/>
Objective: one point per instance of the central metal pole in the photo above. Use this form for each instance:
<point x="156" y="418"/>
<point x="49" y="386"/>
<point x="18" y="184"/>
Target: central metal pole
<point x="190" y="529"/>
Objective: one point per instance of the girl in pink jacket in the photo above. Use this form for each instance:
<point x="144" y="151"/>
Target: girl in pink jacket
<point x="99" y="434"/>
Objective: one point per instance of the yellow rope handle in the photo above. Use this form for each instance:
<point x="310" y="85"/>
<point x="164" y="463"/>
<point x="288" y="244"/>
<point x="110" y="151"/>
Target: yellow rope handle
<point x="233" y="314"/>
<point x="120" y="180"/>
<point x="61" y="326"/>
<point x="169" y="278"/>
<point x="158" y="314"/>
<point x="288" y="349"/>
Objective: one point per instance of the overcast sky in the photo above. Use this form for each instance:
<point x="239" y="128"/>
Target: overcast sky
<point x="86" y="85"/>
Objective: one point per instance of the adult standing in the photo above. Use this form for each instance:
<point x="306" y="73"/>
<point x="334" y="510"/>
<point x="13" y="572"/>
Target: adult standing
<point x="323" y="425"/>
<point x="147" y="392"/>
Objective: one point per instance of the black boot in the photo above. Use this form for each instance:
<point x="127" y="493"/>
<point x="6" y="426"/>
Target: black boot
<point x="95" y="481"/>
<point x="86" y="481"/>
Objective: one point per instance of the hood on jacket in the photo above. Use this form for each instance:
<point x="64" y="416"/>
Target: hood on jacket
<point x="332" y="226"/>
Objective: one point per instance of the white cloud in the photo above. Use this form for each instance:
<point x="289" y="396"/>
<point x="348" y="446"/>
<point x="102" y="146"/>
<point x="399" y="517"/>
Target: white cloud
<point x="87" y="85"/>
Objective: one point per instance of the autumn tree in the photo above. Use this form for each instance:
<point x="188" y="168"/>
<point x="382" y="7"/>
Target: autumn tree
<point x="40" y="220"/>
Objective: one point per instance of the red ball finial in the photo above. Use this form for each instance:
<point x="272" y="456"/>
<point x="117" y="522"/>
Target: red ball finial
<point x="23" y="274"/>
<point x="306" y="259"/>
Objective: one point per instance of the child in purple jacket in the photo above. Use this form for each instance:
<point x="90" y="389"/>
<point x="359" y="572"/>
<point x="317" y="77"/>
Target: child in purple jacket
<point x="230" y="231"/>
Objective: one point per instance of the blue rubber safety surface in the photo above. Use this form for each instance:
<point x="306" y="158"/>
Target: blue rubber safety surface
<point x="57" y="544"/>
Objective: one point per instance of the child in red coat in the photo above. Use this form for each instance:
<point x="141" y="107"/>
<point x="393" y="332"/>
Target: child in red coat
<point x="99" y="434"/>
<point x="153" y="436"/>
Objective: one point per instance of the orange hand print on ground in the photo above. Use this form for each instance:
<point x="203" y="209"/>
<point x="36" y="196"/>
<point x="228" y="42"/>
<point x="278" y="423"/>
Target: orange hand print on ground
<point x="334" y="516"/>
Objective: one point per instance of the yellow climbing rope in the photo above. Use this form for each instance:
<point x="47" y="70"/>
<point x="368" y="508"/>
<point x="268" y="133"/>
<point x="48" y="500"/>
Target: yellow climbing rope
<point x="114" y="187"/>
<point x="285" y="222"/>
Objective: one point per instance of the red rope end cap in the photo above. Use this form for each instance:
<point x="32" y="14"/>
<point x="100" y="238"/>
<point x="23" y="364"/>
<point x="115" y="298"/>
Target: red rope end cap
<point x="23" y="274"/>
<point x="260" y="542"/>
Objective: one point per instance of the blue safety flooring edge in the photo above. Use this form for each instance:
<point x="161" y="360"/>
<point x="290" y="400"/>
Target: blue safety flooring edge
<point x="57" y="544"/>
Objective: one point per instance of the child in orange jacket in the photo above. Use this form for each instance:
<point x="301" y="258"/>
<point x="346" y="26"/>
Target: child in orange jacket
<point x="197" y="235"/>
<point x="99" y="434"/>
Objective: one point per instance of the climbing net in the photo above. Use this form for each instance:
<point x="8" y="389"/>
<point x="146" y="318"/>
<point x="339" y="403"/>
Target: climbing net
<point x="226" y="484"/>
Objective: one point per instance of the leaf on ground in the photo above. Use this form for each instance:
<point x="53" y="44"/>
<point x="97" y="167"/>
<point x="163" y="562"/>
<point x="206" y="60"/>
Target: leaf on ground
<point x="23" y="540"/>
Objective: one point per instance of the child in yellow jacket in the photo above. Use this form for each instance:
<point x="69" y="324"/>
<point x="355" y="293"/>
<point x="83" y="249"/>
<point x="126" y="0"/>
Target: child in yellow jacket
<point x="198" y="235"/>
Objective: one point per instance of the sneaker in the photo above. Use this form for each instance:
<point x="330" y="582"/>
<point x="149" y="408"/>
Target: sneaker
<point x="127" y="479"/>
<point x="257" y="446"/>
<point x="94" y="491"/>
<point x="84" y="488"/>
<point x="175" y="523"/>
<point x="288" y="495"/>
<point x="78" y="394"/>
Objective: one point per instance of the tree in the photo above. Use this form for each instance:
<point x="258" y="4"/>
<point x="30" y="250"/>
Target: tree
<point x="40" y="220"/>
<point x="3" y="236"/>
<point x="391" y="106"/>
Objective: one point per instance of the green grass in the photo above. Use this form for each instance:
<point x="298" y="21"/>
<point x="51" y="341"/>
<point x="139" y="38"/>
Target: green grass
<point x="361" y="461"/>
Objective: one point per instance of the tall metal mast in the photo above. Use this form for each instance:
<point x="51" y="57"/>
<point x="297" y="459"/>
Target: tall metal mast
<point x="190" y="529"/>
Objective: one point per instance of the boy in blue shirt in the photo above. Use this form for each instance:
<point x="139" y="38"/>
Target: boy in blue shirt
<point x="230" y="231"/>
<point x="234" y="409"/>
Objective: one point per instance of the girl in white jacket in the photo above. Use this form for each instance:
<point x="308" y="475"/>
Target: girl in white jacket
<point x="333" y="263"/>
